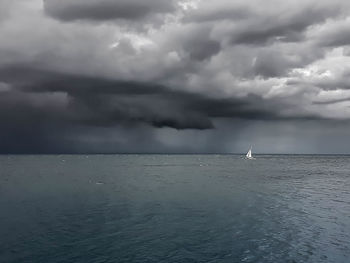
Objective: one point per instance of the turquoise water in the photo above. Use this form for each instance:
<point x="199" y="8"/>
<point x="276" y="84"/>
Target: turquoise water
<point x="174" y="208"/>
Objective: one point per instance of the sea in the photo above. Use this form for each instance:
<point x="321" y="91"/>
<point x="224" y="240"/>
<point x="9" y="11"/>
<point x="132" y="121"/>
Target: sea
<point x="174" y="208"/>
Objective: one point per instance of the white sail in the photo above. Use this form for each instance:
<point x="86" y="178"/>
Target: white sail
<point x="249" y="154"/>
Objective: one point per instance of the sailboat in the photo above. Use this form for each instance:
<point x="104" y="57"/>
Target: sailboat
<point x="249" y="154"/>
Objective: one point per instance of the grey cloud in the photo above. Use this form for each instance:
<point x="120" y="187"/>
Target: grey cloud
<point x="214" y="13"/>
<point x="287" y="27"/>
<point x="271" y="64"/>
<point x="333" y="84"/>
<point x="5" y="9"/>
<point x="331" y="101"/>
<point x="100" y="10"/>
<point x="31" y="123"/>
<point x="212" y="73"/>
<point x="106" y="102"/>
<point x="200" y="50"/>
<point x="336" y="82"/>
<point x="250" y="22"/>
<point x="336" y="35"/>
<point x="278" y="60"/>
<point x="199" y="45"/>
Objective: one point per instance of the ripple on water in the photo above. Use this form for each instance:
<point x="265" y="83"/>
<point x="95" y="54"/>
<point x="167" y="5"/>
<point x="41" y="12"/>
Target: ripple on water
<point x="174" y="208"/>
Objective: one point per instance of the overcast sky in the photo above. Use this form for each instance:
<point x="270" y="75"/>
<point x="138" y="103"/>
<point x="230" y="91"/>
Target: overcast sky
<point x="104" y="76"/>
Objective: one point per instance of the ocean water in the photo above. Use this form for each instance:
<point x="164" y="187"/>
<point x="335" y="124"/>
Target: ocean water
<point x="174" y="208"/>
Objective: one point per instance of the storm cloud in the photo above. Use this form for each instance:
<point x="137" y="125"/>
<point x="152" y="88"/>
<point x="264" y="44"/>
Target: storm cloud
<point x="97" y="101"/>
<point x="172" y="76"/>
<point x="67" y="10"/>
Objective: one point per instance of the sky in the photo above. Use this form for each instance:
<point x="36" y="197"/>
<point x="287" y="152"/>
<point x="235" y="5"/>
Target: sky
<point x="176" y="76"/>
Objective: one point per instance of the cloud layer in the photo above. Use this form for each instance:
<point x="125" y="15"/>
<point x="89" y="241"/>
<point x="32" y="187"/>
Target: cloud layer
<point x="154" y="76"/>
<point x="100" y="10"/>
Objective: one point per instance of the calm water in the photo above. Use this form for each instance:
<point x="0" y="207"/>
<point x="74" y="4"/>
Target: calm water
<point x="174" y="208"/>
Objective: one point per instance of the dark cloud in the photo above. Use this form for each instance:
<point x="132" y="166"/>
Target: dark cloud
<point x="202" y="49"/>
<point x="68" y="10"/>
<point x="215" y="13"/>
<point x="331" y="101"/>
<point x="198" y="43"/>
<point x="272" y="64"/>
<point x="287" y="26"/>
<point x="336" y="35"/>
<point x="207" y="76"/>
<point x="101" y="101"/>
<point x="52" y="112"/>
<point x="31" y="122"/>
<point x="249" y="22"/>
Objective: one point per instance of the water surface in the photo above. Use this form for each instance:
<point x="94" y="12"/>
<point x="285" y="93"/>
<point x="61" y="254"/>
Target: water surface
<point x="174" y="208"/>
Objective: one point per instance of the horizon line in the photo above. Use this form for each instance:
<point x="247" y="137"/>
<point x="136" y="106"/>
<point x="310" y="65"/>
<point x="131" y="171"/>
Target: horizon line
<point x="170" y="153"/>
